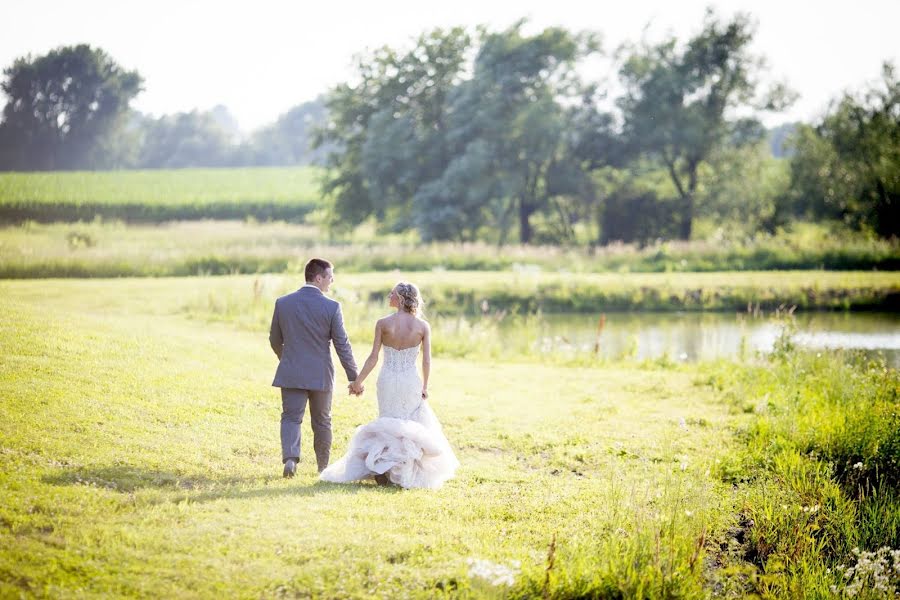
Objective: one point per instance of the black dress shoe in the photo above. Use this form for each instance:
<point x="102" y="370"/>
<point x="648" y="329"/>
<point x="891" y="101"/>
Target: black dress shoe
<point x="290" y="468"/>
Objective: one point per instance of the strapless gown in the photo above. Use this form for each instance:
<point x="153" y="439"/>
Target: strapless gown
<point x="406" y="441"/>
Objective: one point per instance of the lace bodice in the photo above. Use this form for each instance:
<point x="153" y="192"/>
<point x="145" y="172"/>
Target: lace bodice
<point x="399" y="385"/>
<point x="400" y="360"/>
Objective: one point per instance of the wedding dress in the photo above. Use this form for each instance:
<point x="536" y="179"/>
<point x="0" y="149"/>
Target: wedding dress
<point x="405" y="442"/>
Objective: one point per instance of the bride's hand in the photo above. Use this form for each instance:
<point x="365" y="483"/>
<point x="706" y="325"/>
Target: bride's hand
<point x="424" y="393"/>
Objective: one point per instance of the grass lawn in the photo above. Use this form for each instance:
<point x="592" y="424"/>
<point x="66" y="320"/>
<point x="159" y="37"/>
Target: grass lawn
<point x="139" y="456"/>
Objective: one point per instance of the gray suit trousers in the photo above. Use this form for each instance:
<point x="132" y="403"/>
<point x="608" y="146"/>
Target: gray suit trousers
<point x="293" y="406"/>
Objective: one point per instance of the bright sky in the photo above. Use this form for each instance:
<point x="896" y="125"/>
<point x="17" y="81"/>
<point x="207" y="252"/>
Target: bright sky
<point x="261" y="58"/>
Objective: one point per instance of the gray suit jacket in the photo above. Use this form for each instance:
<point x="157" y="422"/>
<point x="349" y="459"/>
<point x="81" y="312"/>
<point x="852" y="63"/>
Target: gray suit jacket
<point x="303" y="326"/>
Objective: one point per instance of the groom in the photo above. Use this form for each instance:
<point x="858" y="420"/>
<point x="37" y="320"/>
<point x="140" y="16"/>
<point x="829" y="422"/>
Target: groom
<point x="303" y="326"/>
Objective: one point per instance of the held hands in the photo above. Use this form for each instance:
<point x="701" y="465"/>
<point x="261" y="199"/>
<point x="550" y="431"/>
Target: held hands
<point x="356" y="389"/>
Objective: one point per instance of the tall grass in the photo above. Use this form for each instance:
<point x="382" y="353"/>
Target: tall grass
<point x="819" y="468"/>
<point x="511" y="295"/>
<point x="112" y="249"/>
<point x="159" y="195"/>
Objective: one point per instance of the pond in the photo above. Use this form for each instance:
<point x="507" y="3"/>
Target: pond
<point x="700" y="336"/>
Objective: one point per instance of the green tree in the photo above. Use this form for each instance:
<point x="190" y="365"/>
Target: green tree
<point x="191" y="139"/>
<point x="510" y="110"/>
<point x="742" y="186"/>
<point x="388" y="131"/>
<point x="61" y="107"/>
<point x="289" y="140"/>
<point x="678" y="102"/>
<point x="420" y="145"/>
<point x="848" y="167"/>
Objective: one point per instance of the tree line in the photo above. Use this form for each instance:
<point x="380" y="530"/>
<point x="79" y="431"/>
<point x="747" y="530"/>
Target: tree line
<point x="502" y="135"/>
<point x="486" y="136"/>
<point x="70" y="109"/>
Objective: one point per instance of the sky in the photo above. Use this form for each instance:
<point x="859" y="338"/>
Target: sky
<point x="261" y="58"/>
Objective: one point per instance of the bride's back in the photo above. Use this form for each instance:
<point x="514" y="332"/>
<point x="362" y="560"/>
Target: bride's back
<point x="402" y="330"/>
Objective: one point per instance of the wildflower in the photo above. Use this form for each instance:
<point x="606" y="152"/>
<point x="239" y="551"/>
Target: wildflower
<point x="872" y="571"/>
<point x="858" y="466"/>
<point x="689" y="513"/>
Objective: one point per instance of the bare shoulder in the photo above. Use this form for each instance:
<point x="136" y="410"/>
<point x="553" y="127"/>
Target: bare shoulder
<point x="424" y="325"/>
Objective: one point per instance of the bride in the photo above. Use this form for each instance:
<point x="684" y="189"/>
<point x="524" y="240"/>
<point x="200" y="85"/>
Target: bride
<point x="405" y="444"/>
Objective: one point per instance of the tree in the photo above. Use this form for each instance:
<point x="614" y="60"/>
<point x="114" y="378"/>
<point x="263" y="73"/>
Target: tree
<point x="598" y="155"/>
<point x="289" y="140"/>
<point x="420" y="146"/>
<point x="741" y="188"/>
<point x="511" y="110"/>
<point x="191" y="139"/>
<point x="61" y="106"/>
<point x="388" y="131"/>
<point x="679" y="102"/>
<point x="848" y="166"/>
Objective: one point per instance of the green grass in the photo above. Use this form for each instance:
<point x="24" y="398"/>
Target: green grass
<point x="113" y="249"/>
<point x="140" y="456"/>
<point x="159" y="195"/>
<point x="247" y="298"/>
<point x="819" y="463"/>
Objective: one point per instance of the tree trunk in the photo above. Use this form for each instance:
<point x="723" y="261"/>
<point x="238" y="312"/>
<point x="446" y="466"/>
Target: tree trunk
<point x="687" y="217"/>
<point x="887" y="223"/>
<point x="525" y="231"/>
<point x="687" y="200"/>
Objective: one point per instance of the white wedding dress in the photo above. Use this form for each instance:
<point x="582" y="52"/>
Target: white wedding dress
<point x="405" y="442"/>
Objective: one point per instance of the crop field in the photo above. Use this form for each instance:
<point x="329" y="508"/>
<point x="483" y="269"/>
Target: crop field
<point x="286" y="193"/>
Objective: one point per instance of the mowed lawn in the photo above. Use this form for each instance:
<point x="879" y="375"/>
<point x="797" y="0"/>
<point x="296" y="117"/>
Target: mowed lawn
<point x="139" y="456"/>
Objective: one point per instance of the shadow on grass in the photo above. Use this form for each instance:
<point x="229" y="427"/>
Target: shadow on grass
<point x="315" y="488"/>
<point x="197" y="488"/>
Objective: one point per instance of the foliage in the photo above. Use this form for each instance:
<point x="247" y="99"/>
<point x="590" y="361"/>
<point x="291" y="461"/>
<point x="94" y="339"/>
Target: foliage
<point x="821" y="459"/>
<point x="422" y="146"/>
<point x="400" y="98"/>
<point x="741" y="187"/>
<point x="476" y="137"/>
<point x="289" y="140"/>
<point x="34" y="250"/>
<point x="632" y="216"/>
<point x="677" y="102"/>
<point x="848" y="166"/>
<point x="189" y="139"/>
<point x="61" y="107"/>
<point x="480" y="293"/>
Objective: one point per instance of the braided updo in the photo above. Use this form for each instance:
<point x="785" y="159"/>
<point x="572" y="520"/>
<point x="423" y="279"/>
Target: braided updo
<point x="410" y="299"/>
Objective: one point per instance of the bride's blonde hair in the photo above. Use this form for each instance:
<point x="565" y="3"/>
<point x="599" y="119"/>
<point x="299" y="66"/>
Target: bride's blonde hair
<point x="410" y="299"/>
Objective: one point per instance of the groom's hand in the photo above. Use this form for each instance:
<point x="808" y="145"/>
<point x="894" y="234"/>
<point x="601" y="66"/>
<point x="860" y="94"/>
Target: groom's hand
<point x="355" y="388"/>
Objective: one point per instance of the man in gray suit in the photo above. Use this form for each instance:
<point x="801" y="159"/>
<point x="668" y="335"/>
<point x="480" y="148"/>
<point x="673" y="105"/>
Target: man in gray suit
<point x="303" y="326"/>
